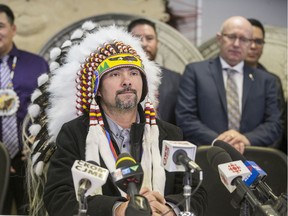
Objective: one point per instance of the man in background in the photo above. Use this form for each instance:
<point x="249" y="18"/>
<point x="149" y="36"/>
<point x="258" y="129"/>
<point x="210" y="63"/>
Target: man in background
<point x="168" y="89"/>
<point x="254" y="54"/>
<point x="224" y="98"/>
<point x="19" y="72"/>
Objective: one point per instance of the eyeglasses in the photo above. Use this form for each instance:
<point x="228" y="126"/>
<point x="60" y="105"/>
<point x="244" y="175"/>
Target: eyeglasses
<point x="233" y="38"/>
<point x="258" y="41"/>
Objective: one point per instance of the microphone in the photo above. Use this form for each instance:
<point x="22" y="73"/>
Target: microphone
<point x="229" y="170"/>
<point x="257" y="174"/>
<point x="87" y="177"/>
<point x="128" y="176"/>
<point x="216" y="155"/>
<point x="179" y="156"/>
<point x="255" y="180"/>
<point x="231" y="174"/>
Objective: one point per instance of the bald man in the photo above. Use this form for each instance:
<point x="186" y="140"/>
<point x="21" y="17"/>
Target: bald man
<point x="202" y="111"/>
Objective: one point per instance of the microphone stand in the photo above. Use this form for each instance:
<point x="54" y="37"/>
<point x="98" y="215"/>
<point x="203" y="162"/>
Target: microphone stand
<point x="138" y="204"/>
<point x="243" y="193"/>
<point x="82" y="201"/>
<point x="187" y="193"/>
<point x="281" y="204"/>
<point x="82" y="211"/>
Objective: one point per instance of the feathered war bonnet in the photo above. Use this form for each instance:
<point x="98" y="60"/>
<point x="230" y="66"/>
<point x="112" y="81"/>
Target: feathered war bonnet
<point x="73" y="87"/>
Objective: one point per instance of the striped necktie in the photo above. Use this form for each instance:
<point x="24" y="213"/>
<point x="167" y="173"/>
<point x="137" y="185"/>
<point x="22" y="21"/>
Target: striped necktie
<point x="232" y="100"/>
<point x="9" y="123"/>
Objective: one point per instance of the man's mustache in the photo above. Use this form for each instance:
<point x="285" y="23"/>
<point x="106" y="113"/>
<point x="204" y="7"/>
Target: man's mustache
<point x="128" y="89"/>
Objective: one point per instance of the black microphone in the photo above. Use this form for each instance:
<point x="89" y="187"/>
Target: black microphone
<point x="218" y="157"/>
<point x="128" y="176"/>
<point x="180" y="157"/>
<point x="255" y="180"/>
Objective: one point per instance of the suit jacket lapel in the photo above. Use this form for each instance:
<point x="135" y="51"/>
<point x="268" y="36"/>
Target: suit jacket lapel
<point x="215" y="69"/>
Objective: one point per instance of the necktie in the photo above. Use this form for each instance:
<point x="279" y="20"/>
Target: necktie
<point x="232" y="101"/>
<point x="9" y="123"/>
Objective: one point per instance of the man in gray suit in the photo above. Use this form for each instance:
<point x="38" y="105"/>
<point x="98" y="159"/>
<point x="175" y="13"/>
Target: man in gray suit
<point x="202" y="111"/>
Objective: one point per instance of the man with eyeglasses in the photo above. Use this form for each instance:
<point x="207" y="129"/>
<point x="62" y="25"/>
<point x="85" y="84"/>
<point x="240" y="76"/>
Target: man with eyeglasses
<point x="206" y="108"/>
<point x="254" y="54"/>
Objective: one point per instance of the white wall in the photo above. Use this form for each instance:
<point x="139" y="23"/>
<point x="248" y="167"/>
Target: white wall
<point x="214" y="12"/>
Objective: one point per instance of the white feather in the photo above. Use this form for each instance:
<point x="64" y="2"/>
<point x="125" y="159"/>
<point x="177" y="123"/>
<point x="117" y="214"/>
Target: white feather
<point x="34" y="129"/>
<point x="67" y="43"/>
<point x="37" y="93"/>
<point x="78" y="33"/>
<point x="89" y="25"/>
<point x="34" y="110"/>
<point x="39" y="168"/>
<point x="42" y="79"/>
<point x="54" y="53"/>
<point x="53" y="66"/>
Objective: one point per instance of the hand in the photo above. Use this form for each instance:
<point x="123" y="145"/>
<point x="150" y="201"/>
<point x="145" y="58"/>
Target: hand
<point x="234" y="138"/>
<point x="157" y="202"/>
<point x="121" y="209"/>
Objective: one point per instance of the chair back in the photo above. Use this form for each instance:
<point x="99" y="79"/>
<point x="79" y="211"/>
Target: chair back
<point x="219" y="197"/>
<point x="272" y="161"/>
<point x="4" y="173"/>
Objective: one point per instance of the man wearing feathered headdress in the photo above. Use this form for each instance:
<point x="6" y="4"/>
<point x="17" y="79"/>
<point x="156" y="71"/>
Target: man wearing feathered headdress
<point x="107" y="80"/>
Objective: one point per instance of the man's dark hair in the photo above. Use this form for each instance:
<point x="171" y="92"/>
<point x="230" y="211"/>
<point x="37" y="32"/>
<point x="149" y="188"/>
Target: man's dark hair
<point x="9" y="13"/>
<point x="141" y="21"/>
<point x="257" y="23"/>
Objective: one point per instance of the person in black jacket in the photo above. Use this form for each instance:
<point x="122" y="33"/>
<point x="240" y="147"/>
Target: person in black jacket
<point x="114" y="96"/>
<point x="252" y="58"/>
<point x="146" y="30"/>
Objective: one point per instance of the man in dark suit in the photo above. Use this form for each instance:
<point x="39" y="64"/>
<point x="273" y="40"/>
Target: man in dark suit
<point x="168" y="89"/>
<point x="254" y="54"/>
<point x="202" y="110"/>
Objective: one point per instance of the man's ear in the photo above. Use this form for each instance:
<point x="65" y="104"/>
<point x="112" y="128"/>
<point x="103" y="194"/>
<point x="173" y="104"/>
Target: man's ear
<point x="218" y="38"/>
<point x="98" y="93"/>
